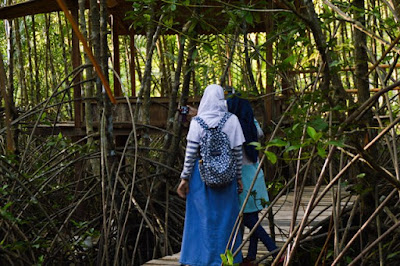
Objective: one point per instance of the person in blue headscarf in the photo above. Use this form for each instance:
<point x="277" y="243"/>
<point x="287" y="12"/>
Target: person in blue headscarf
<point x="259" y="195"/>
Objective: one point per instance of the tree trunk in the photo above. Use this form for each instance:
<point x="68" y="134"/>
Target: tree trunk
<point x="64" y="53"/>
<point x="21" y="66"/>
<point x="10" y="60"/>
<point x="169" y="67"/>
<point x="177" y="129"/>
<point x="142" y="113"/>
<point x="7" y="106"/>
<point x="173" y="97"/>
<point x="249" y="67"/>
<point x="8" y="87"/>
<point x="232" y="49"/>
<point x="360" y="55"/>
<point x="331" y="76"/>
<point x="50" y="58"/>
<point x="396" y="5"/>
<point x="259" y="70"/>
<point x="30" y="65"/>
<point x="36" y="60"/>
<point x="88" y="88"/>
<point x="47" y="50"/>
<point x="164" y="77"/>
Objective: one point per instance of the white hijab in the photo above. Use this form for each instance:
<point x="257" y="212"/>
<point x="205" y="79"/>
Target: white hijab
<point x="211" y="109"/>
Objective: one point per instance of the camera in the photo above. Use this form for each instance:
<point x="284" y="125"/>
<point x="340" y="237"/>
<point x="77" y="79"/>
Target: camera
<point x="184" y="110"/>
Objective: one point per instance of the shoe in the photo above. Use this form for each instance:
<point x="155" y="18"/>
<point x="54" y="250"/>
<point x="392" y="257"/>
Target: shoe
<point x="248" y="262"/>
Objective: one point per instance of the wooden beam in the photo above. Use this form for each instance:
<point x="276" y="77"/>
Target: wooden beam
<point x="33" y="7"/>
<point x="118" y="8"/>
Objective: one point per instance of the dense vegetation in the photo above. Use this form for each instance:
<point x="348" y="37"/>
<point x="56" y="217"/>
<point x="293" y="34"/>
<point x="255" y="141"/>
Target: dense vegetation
<point x="321" y="74"/>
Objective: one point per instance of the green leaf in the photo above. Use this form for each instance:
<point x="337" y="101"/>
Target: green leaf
<point x="195" y="53"/>
<point x="230" y="257"/>
<point x="334" y="63"/>
<point x="249" y="18"/>
<point x="392" y="255"/>
<point x="256" y="144"/>
<point x="321" y="152"/>
<point x="318" y="136"/>
<point x="192" y="26"/>
<point x="319" y="124"/>
<point x="290" y="60"/>
<point x="362" y="175"/>
<point x="208" y="48"/>
<point x="146" y="17"/>
<point x="271" y="156"/>
<point x="311" y="132"/>
<point x="277" y="143"/>
<point x="224" y="260"/>
<point x="337" y="143"/>
<point x="293" y="147"/>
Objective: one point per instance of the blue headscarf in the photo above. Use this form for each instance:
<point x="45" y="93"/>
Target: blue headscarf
<point x="243" y="110"/>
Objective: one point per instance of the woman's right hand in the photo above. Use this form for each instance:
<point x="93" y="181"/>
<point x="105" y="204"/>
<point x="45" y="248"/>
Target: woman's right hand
<point x="183" y="188"/>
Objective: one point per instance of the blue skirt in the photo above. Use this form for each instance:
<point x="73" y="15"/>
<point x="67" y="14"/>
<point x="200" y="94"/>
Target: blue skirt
<point x="210" y="216"/>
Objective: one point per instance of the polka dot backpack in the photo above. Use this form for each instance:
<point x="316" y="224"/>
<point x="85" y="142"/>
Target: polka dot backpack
<point x="217" y="165"/>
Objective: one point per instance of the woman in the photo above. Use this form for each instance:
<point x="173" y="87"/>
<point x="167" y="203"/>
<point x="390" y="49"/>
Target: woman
<point x="210" y="212"/>
<point x="259" y="196"/>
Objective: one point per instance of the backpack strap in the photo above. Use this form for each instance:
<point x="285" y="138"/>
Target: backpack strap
<point x="220" y="124"/>
<point x="201" y="122"/>
<point x="223" y="120"/>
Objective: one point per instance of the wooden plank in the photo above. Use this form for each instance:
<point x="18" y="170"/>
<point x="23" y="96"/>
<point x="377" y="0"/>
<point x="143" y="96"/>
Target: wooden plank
<point x="282" y="218"/>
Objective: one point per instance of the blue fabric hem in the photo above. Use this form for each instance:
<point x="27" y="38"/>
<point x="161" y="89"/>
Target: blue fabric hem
<point x="210" y="216"/>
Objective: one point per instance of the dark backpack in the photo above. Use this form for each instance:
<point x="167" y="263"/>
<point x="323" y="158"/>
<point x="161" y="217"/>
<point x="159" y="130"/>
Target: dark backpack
<point x="217" y="165"/>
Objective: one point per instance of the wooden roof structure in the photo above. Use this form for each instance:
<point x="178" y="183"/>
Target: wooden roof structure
<point x="211" y="12"/>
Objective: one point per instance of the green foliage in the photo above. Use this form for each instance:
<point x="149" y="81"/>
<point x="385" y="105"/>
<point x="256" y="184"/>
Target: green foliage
<point x="275" y="186"/>
<point x="227" y="259"/>
<point x="6" y="214"/>
<point x="49" y="170"/>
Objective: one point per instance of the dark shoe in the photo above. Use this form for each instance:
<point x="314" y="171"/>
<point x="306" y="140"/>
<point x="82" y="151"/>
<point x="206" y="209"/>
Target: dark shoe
<point x="248" y="262"/>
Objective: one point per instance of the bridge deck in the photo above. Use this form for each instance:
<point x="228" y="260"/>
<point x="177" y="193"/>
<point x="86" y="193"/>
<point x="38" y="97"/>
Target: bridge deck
<point x="282" y="217"/>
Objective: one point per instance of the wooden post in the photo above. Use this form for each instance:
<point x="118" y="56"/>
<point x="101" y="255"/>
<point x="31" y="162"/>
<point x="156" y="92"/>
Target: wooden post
<point x="116" y="61"/>
<point x="132" y="62"/>
<point x="76" y="62"/>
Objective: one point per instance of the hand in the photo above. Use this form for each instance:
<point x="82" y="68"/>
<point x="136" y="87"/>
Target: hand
<point x="240" y="186"/>
<point x="192" y="111"/>
<point x="183" y="188"/>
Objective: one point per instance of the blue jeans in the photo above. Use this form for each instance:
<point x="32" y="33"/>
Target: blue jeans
<point x="249" y="220"/>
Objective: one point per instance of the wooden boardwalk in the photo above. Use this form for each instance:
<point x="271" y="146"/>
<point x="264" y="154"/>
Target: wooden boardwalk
<point x="282" y="216"/>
